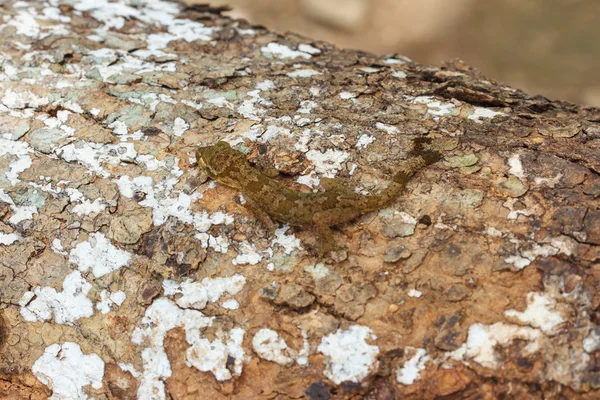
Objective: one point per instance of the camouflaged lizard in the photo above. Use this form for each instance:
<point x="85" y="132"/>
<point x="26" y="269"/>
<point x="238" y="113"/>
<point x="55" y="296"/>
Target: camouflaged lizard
<point x="271" y="200"/>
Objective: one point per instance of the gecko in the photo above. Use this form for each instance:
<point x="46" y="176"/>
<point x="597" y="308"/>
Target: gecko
<point x="269" y="199"/>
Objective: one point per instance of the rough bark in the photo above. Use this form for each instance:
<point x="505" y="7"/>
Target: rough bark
<point x="117" y="252"/>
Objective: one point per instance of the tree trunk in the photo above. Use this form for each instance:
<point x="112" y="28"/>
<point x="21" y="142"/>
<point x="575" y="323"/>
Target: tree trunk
<point x="125" y="272"/>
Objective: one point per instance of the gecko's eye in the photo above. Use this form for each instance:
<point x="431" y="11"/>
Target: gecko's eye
<point x="220" y="159"/>
<point x="204" y="156"/>
<point x="201" y="155"/>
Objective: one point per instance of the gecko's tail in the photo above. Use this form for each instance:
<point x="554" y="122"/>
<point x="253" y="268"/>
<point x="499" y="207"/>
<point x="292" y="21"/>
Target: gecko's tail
<point x="425" y="151"/>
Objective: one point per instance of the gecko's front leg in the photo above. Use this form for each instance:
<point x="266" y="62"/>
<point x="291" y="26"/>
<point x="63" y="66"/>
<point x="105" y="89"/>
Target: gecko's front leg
<point x="261" y="215"/>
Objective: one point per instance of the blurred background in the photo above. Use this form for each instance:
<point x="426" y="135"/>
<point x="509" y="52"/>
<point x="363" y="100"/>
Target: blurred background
<point x="547" y="47"/>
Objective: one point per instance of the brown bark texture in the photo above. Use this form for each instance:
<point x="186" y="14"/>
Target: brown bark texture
<point x="126" y="273"/>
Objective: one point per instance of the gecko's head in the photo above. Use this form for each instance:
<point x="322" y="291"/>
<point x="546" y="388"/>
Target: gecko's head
<point x="220" y="160"/>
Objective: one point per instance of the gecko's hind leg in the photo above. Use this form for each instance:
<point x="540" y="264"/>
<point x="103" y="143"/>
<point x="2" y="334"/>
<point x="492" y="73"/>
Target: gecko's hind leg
<point x="261" y="215"/>
<point x="323" y="221"/>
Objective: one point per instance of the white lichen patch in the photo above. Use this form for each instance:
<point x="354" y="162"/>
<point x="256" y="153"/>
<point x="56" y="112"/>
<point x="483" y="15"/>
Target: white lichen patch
<point x="18" y="155"/>
<point x="483" y="340"/>
<point x="230" y="304"/>
<point x="167" y="202"/>
<point x="154" y="12"/>
<point x="121" y="130"/>
<point x="303" y="73"/>
<point x="246" y="32"/>
<point x="307" y="48"/>
<point x="353" y="168"/>
<point x="93" y="155"/>
<point x="197" y="294"/>
<point x="180" y="126"/>
<point x="149" y="100"/>
<point x="67" y="306"/>
<point x="591" y="343"/>
<point x="289" y="243"/>
<point x="58" y="122"/>
<point x="540" y="313"/>
<point x="219" y="243"/>
<point x="369" y="70"/>
<point x="265" y="85"/>
<point x="389" y="129"/>
<point x="280" y="51"/>
<point x="436" y="107"/>
<point x="514" y="213"/>
<point x="6" y="239"/>
<point x="253" y="134"/>
<point x="99" y="254"/>
<point x="26" y="21"/>
<point x="305" y="138"/>
<point x="187" y="30"/>
<point x="347" y="95"/>
<point x="271" y="347"/>
<point x="302" y="355"/>
<point x="272" y="133"/>
<point x="301" y="121"/>
<point x="557" y="245"/>
<point x="25" y="24"/>
<point x="349" y="358"/>
<point x="248" y="107"/>
<point x="220" y="101"/>
<point x="410" y="371"/>
<point x="110" y="301"/>
<point x="126" y="367"/>
<point x="364" y="140"/>
<point x="21" y="100"/>
<point x="518" y="261"/>
<point x="161" y="317"/>
<point x="205" y="355"/>
<point x="306" y="106"/>
<point x="329" y="162"/>
<point x="480" y="113"/>
<point x="311" y="180"/>
<point x="516" y="166"/>
<point x="151" y="162"/>
<point x="393" y="61"/>
<point x="85" y="206"/>
<point x="57" y="247"/>
<point x="247" y="254"/>
<point x="67" y="371"/>
<point x="527" y="256"/>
